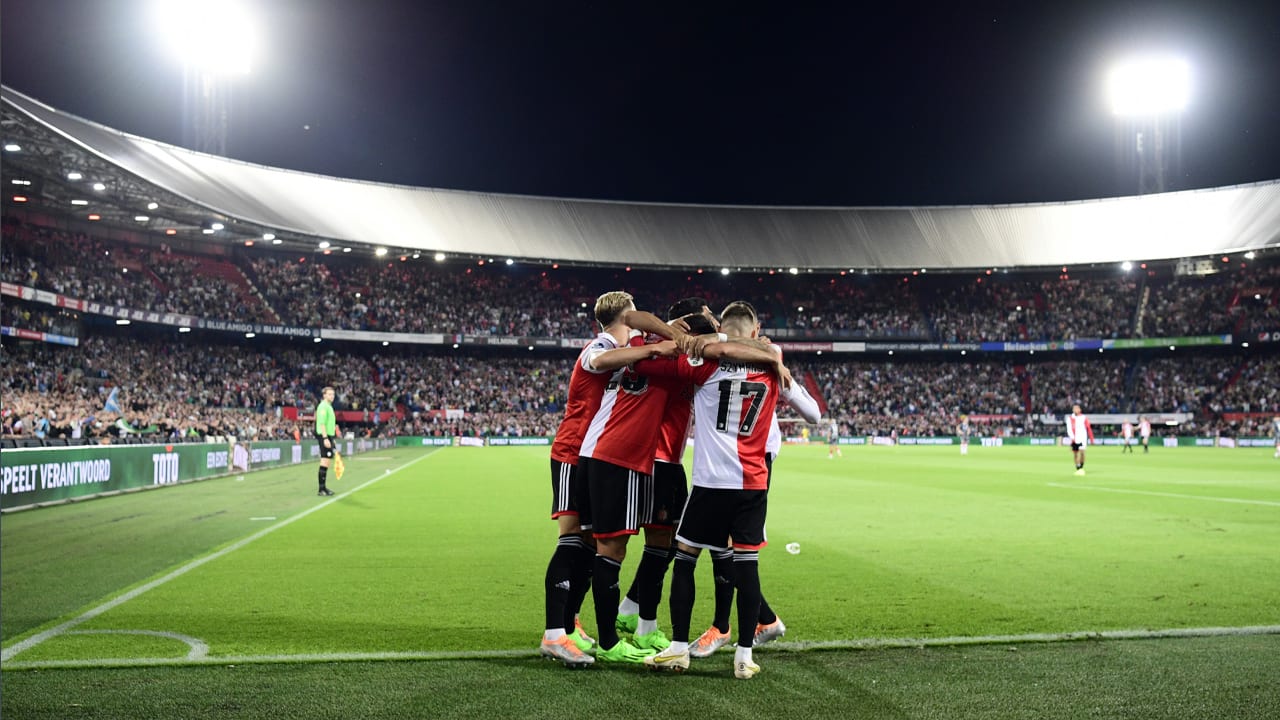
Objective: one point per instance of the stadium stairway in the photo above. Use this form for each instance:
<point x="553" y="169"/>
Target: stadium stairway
<point x="811" y="384"/>
<point x="233" y="276"/>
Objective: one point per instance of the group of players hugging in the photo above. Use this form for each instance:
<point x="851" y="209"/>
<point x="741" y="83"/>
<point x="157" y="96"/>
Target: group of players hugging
<point x="616" y="469"/>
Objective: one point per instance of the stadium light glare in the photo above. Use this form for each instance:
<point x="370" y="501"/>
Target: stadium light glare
<point x="217" y="226"/>
<point x="1244" y="344"/>
<point x="324" y="244"/>
<point x="123" y="321"/>
<point x="251" y="334"/>
<point x="268" y="236"/>
<point x="380" y="252"/>
<point x="724" y="271"/>
<point x="345" y="249"/>
<point x="439" y="257"/>
<point x="1126" y="266"/>
<point x="206" y="231"/>
<point x="276" y="241"/>
<point x="99" y="186"/>
<point x="171" y="231"/>
<point x="19" y="198"/>
<point x="79" y="202"/>
<point x="316" y="340"/>
<point x="184" y="329"/>
<point x="21" y="182"/>
<point x="1250" y="255"/>
<point x="212" y="36"/>
<point x="1149" y="86"/>
<point x="74" y="176"/>
<point x="153" y="206"/>
<point x="12" y="147"/>
<point x="510" y="261"/>
<point x="141" y="218"/>
<point x="794" y="271"/>
<point x="95" y="216"/>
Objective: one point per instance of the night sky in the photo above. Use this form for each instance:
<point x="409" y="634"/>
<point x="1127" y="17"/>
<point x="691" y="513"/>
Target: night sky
<point x="709" y="102"/>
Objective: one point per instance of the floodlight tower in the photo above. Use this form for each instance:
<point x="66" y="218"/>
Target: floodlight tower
<point x="215" y="41"/>
<point x="1147" y="96"/>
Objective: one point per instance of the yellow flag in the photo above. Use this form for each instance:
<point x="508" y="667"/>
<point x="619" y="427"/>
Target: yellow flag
<point x="339" y="467"/>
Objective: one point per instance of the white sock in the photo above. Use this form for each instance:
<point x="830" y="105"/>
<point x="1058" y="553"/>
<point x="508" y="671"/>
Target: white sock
<point x="678" y="647"/>
<point x="741" y="654"/>
<point x="644" y="627"/>
<point x="553" y="634"/>
<point x="628" y="607"/>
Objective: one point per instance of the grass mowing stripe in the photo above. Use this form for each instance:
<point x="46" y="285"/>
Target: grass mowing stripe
<point x="40" y="637"/>
<point x="1165" y="494"/>
<point x="859" y="644"/>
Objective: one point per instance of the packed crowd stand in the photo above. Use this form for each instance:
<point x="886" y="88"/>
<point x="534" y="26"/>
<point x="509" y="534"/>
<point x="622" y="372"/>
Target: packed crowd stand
<point x="195" y="389"/>
<point x="421" y="296"/>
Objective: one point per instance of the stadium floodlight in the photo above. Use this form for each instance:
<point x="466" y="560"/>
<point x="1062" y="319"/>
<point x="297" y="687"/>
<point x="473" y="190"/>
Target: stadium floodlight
<point x="153" y="206"/>
<point x="212" y="36"/>
<point x="12" y="147"/>
<point x="79" y="202"/>
<point x="1250" y="255"/>
<point x="724" y="271"/>
<point x="439" y="257"/>
<point x="1126" y="266"/>
<point x="141" y="218"/>
<point x="316" y="340"/>
<point x="251" y="334"/>
<point x="184" y="329"/>
<point x="99" y="186"/>
<point x="123" y="321"/>
<point x="268" y="236"/>
<point x="1149" y="86"/>
<point x="217" y="226"/>
<point x="510" y="261"/>
<point x="380" y="252"/>
<point x="74" y="176"/>
<point x="324" y="244"/>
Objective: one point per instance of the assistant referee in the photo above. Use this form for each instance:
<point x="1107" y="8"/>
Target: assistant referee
<point x="326" y="434"/>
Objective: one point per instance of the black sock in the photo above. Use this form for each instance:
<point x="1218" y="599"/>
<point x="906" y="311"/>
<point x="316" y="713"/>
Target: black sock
<point x="722" y="568"/>
<point x="323" y="472"/>
<point x="746" y="580"/>
<point x="584" y="557"/>
<point x="682" y="595"/>
<point x="604" y="592"/>
<point x="649" y="577"/>
<point x="556" y="582"/>
<point x="767" y="615"/>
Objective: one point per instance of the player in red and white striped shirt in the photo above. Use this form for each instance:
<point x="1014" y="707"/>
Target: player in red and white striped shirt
<point x="733" y="408"/>
<point x="569" y="570"/>
<point x="616" y="462"/>
<point x="1080" y="434"/>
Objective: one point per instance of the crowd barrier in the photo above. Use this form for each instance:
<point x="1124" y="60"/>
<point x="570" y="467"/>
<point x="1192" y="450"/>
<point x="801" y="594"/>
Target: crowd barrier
<point x="40" y="476"/>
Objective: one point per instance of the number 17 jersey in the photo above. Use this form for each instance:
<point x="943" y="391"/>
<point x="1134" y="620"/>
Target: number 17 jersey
<point x="732" y="408"/>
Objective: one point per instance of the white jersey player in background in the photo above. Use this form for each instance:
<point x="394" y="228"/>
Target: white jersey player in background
<point x="1079" y="433"/>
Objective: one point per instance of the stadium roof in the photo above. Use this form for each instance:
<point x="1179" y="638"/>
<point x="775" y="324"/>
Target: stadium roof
<point x="192" y="190"/>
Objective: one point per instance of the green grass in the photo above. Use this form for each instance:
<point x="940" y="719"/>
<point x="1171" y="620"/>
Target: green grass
<point x="445" y="558"/>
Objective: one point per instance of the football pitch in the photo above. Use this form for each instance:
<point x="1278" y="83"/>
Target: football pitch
<point x="926" y="584"/>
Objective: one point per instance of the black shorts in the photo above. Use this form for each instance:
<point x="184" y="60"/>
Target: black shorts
<point x="713" y="515"/>
<point x="1075" y="447"/>
<point x="565" y="492"/>
<point x="613" y="494"/>
<point x="327" y="452"/>
<point x="663" y="503"/>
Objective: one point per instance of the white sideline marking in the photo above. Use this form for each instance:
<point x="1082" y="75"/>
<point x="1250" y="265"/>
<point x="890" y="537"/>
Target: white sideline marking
<point x="269" y="517"/>
<point x="863" y="644"/>
<point x="40" y="637"/>
<point x="1165" y="494"/>
<point x="199" y="648"/>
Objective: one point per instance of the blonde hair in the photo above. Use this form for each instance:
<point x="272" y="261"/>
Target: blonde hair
<point x="610" y="305"/>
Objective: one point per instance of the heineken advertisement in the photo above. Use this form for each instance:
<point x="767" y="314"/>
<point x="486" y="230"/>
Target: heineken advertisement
<point x="44" y="475"/>
<point x="1129" y="343"/>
